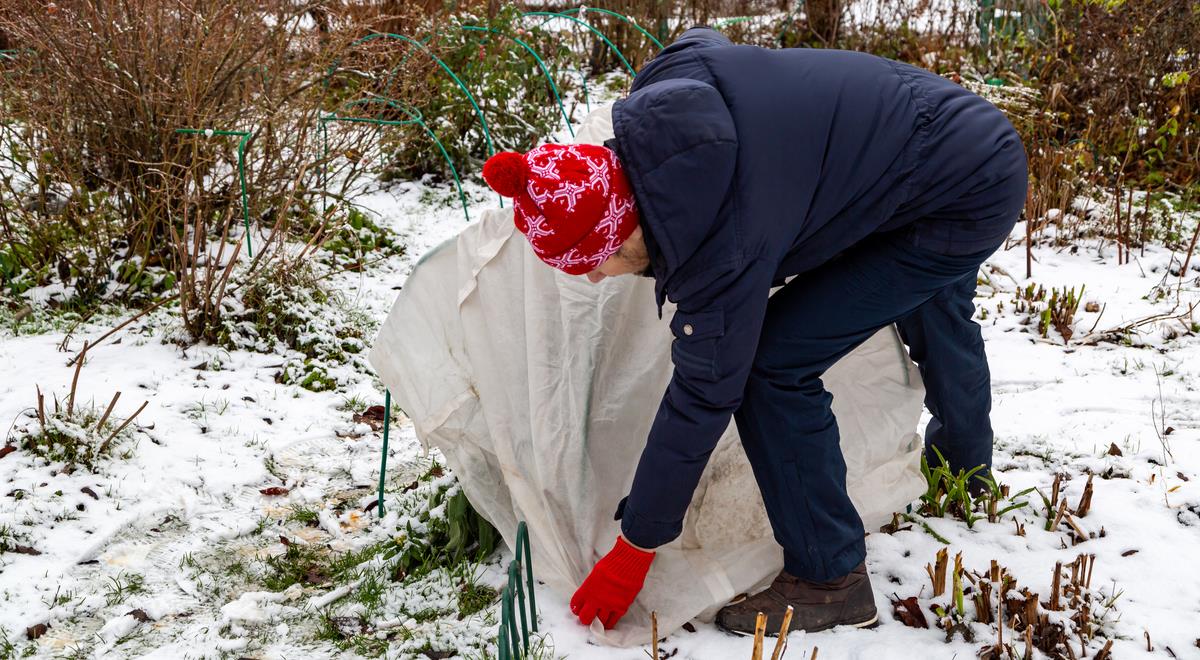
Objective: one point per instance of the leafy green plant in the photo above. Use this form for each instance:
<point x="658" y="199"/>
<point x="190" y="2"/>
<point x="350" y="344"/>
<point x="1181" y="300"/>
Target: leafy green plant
<point x="462" y="535"/>
<point x="1060" y="312"/>
<point x="947" y="492"/>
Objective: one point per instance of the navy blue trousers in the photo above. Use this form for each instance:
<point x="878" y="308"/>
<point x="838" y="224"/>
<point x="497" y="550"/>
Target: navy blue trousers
<point x="785" y="421"/>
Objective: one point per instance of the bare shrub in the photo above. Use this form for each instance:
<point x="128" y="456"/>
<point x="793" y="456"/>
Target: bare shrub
<point x="100" y="173"/>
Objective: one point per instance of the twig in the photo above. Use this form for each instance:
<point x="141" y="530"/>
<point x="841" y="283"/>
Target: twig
<point x="104" y="445"/>
<point x="104" y="418"/>
<point x="781" y="641"/>
<point x="123" y="324"/>
<point x="41" y="408"/>
<point x="654" y="635"/>
<point x="75" y="380"/>
<point x="760" y="629"/>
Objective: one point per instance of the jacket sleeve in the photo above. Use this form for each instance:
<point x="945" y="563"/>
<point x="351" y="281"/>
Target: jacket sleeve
<point x="716" y="329"/>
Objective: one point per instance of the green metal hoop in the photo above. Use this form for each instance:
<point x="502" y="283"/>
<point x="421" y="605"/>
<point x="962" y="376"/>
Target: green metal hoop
<point x="540" y="62"/>
<point x="553" y="15"/>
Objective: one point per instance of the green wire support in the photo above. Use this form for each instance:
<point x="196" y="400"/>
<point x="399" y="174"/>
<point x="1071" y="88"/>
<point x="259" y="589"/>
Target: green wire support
<point x="552" y="15"/>
<point x="487" y="134"/>
<point x="583" y="78"/>
<point x="540" y="62"/>
<point x="619" y="16"/>
<point x="726" y="22"/>
<point x="414" y="118"/>
<point x="511" y="644"/>
<point x="245" y="135"/>
<point x="387" y="422"/>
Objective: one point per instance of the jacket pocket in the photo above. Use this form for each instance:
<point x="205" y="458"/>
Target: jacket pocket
<point x="694" y="351"/>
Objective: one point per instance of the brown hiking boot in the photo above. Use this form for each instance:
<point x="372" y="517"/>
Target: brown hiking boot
<point x="847" y="601"/>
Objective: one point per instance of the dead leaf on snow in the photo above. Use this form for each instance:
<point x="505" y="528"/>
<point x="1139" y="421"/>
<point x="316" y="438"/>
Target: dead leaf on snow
<point x="908" y="612"/>
<point x="34" y="632"/>
<point x="274" y="491"/>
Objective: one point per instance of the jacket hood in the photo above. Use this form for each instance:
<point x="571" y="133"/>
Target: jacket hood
<point x="678" y="145"/>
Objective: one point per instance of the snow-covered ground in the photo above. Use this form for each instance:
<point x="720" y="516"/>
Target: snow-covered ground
<point x="163" y="551"/>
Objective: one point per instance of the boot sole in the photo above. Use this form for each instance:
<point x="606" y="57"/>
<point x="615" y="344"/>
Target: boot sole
<point x="867" y="623"/>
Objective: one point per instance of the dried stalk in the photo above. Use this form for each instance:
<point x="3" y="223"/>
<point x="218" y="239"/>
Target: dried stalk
<point x="1085" y="500"/>
<point x="41" y="407"/>
<point x="654" y="635"/>
<point x="104" y="445"/>
<point x="75" y="380"/>
<point x="125" y="323"/>
<point x="937" y="572"/>
<point x="1062" y="511"/>
<point x="1074" y="525"/>
<point x="760" y="630"/>
<point x="108" y="411"/>
<point x="781" y="641"/>
<point x="1056" y="588"/>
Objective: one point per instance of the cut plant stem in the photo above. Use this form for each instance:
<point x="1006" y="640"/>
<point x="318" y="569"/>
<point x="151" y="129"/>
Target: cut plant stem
<point x="760" y="630"/>
<point x="1085" y="500"/>
<point x="120" y="428"/>
<point x="937" y="572"/>
<point x="41" y="407"/>
<point x="781" y="641"/>
<point x="75" y="380"/>
<point x="108" y="411"/>
<point x="1056" y="587"/>
<point x="654" y="635"/>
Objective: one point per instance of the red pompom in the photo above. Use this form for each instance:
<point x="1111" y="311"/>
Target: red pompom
<point x="506" y="173"/>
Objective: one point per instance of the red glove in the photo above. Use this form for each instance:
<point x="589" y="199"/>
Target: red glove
<point x="613" y="584"/>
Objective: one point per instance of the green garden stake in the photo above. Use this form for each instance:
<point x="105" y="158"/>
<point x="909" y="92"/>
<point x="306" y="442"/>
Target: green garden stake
<point x="541" y="65"/>
<point x="552" y="15"/>
<point x="387" y="422"/>
<point x="245" y="135"/>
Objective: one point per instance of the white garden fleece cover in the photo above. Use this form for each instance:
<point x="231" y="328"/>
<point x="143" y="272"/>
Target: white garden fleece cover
<point x="540" y="388"/>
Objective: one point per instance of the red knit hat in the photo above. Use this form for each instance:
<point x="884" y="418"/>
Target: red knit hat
<point x="572" y="202"/>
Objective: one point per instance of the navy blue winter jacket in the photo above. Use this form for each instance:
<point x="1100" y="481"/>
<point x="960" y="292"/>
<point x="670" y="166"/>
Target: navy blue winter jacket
<point x="751" y="165"/>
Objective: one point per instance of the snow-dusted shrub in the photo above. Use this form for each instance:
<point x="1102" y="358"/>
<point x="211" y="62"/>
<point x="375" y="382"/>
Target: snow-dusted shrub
<point x="289" y="312"/>
<point x="99" y="191"/>
<point x="74" y="436"/>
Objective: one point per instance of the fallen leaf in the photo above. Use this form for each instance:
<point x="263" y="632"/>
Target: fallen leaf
<point x="1114" y="450"/>
<point x="908" y="612"/>
<point x="6" y="450"/>
<point x="1182" y="476"/>
<point x="33" y="632"/>
<point x="284" y="540"/>
<point x="140" y="615"/>
<point x="689" y="627"/>
<point x="1169" y="430"/>
<point x="25" y="550"/>
<point x="1091" y="307"/>
<point x="273" y="491"/>
<point x="1129" y="553"/>
<point x="372" y="416"/>
<point x="87" y="490"/>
